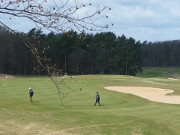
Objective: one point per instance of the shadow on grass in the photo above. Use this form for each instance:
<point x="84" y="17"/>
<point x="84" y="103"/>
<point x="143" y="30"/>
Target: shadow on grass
<point x="36" y="101"/>
<point x="98" y="105"/>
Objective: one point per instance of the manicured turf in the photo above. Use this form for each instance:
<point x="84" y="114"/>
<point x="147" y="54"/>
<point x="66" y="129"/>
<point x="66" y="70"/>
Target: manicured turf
<point x="120" y="114"/>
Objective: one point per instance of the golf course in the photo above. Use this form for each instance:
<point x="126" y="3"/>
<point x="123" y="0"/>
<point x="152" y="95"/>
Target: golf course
<point x="120" y="113"/>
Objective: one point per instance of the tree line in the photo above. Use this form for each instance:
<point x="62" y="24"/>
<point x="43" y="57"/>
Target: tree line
<point x="161" y="54"/>
<point x="74" y="53"/>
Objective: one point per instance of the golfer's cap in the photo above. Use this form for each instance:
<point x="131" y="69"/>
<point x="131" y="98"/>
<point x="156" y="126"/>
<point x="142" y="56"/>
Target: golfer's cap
<point x="29" y="87"/>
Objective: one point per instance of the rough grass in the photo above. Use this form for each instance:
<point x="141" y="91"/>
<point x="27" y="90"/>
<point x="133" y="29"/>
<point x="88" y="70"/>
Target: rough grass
<point x="160" y="72"/>
<point x="120" y="114"/>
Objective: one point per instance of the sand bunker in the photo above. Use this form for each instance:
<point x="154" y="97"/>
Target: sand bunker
<point x="153" y="94"/>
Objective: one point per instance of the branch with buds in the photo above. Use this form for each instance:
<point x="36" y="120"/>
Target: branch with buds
<point x="34" y="44"/>
<point x="55" y="17"/>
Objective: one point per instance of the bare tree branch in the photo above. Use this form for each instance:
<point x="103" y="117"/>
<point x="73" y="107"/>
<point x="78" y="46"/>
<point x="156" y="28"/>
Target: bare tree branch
<point x="71" y="13"/>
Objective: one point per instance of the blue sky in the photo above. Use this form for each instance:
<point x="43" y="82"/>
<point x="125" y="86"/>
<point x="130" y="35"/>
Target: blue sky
<point x="151" y="20"/>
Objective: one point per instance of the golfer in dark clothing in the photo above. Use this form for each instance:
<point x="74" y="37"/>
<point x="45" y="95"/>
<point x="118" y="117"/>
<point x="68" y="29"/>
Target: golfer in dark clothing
<point x="31" y="93"/>
<point x="97" y="99"/>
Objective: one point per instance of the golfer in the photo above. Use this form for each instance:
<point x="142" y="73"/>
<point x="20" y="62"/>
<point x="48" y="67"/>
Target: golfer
<point x="97" y="99"/>
<point x="31" y="93"/>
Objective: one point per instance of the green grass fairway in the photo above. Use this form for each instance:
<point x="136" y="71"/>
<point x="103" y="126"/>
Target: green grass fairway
<point x="120" y="114"/>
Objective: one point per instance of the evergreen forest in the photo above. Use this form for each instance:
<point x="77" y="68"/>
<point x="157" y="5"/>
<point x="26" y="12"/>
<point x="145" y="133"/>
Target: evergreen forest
<point x="80" y="53"/>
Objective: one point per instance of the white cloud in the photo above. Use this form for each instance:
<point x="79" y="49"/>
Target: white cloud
<point x="149" y="20"/>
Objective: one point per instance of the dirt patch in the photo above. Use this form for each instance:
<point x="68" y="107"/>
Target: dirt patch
<point x="152" y="94"/>
<point x="172" y="79"/>
<point x="154" y="83"/>
<point x="11" y="127"/>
